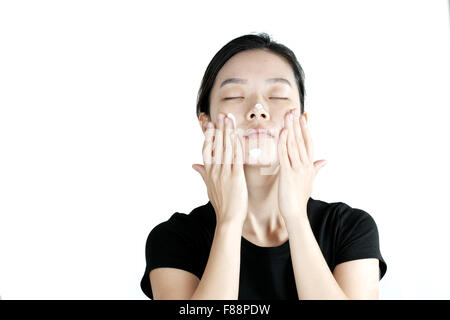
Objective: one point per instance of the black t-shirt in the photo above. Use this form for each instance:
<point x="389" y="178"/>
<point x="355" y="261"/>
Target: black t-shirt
<point x="184" y="242"/>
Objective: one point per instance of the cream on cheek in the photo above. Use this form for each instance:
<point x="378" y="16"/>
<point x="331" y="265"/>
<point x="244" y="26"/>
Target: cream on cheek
<point x="231" y="116"/>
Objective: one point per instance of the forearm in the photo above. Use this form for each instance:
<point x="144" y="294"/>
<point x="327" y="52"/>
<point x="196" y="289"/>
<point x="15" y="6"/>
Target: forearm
<point x="220" y="280"/>
<point x="313" y="277"/>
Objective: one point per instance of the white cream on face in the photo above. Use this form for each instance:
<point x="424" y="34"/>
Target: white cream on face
<point x="231" y="116"/>
<point x="255" y="153"/>
<point x="259" y="106"/>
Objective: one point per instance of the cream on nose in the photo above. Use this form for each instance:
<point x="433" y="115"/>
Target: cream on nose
<point x="259" y="106"/>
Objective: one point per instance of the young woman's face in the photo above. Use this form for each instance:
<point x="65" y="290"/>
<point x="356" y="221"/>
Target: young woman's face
<point x="264" y="92"/>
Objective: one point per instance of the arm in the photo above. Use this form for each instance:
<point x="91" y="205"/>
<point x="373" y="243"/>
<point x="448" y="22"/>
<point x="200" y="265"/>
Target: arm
<point x="172" y="283"/>
<point x="313" y="278"/>
<point x="359" y="278"/>
<point x="356" y="279"/>
<point x="227" y="191"/>
<point x="220" y="279"/>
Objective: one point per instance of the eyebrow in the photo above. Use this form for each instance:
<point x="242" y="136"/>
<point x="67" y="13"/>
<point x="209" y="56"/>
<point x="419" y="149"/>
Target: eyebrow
<point x="244" y="81"/>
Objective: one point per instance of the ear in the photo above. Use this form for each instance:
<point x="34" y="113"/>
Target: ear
<point x="203" y="121"/>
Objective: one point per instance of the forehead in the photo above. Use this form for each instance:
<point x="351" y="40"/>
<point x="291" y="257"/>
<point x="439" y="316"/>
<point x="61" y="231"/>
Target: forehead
<point x="257" y="65"/>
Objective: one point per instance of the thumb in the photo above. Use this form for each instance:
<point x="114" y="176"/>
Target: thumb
<point x="200" y="169"/>
<point x="320" y="164"/>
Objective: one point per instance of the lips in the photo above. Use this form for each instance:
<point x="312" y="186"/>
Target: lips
<point x="258" y="133"/>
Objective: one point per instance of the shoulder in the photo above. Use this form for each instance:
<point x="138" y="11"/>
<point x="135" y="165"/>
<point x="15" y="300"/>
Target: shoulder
<point x="338" y="213"/>
<point x="178" y="242"/>
<point x="190" y="227"/>
<point x="352" y="219"/>
<point x="351" y="232"/>
<point x="340" y="222"/>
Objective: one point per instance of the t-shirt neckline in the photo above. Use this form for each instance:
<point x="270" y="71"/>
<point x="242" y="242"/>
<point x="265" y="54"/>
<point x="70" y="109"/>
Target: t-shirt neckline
<point x="272" y="251"/>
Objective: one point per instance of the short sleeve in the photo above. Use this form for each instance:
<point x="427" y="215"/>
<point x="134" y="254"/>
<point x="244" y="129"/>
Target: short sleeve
<point x="358" y="238"/>
<point x="171" y="244"/>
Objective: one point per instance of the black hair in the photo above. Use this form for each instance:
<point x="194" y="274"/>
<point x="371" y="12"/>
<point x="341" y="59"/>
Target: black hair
<point x="242" y="43"/>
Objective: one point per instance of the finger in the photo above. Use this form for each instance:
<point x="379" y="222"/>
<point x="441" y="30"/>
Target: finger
<point x="238" y="152"/>
<point x="291" y="142"/>
<point x="208" y="145"/>
<point x="319" y="165"/>
<point x="252" y="144"/>
<point x="204" y="124"/>
<point x="228" y="148"/>
<point x="200" y="169"/>
<point x="282" y="149"/>
<point x="218" y="142"/>
<point x="299" y="138"/>
<point x="307" y="138"/>
<point x="266" y="145"/>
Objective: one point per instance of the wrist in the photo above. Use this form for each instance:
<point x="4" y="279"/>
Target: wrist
<point x="231" y="217"/>
<point x="234" y="224"/>
<point x="228" y="230"/>
<point x="292" y="222"/>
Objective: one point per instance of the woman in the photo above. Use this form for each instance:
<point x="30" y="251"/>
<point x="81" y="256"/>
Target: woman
<point x="261" y="235"/>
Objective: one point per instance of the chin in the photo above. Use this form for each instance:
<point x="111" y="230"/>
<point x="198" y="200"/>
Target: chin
<point x="260" y="157"/>
<point x="267" y="165"/>
<point x="261" y="152"/>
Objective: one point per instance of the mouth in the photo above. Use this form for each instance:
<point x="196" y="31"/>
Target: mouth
<point x="258" y="134"/>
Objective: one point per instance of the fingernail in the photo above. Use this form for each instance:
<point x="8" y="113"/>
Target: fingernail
<point x="220" y="116"/>
<point x="291" y="117"/>
<point x="296" y="113"/>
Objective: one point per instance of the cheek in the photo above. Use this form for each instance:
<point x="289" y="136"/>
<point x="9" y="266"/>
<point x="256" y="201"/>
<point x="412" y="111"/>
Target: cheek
<point x="235" y="113"/>
<point x="215" y="107"/>
<point x="278" y="118"/>
<point x="224" y="107"/>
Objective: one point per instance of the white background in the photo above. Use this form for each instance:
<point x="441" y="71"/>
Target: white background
<point x="98" y="130"/>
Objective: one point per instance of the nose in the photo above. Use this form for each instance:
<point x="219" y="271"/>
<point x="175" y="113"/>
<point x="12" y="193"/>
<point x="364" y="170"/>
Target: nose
<point x="258" y="113"/>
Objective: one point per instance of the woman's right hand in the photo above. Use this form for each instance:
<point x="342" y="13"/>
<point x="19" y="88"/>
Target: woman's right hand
<point x="223" y="171"/>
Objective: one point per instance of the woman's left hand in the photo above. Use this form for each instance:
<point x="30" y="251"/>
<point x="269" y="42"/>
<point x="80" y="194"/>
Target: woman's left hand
<point x="297" y="169"/>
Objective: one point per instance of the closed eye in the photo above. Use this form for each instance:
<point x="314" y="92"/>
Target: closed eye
<point x="233" y="98"/>
<point x="228" y="98"/>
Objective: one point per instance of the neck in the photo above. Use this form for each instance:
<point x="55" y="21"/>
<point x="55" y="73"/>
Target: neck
<point x="263" y="217"/>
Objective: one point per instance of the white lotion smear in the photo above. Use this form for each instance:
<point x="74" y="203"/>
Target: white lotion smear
<point x="231" y="116"/>
<point x="258" y="106"/>
<point x="255" y="153"/>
